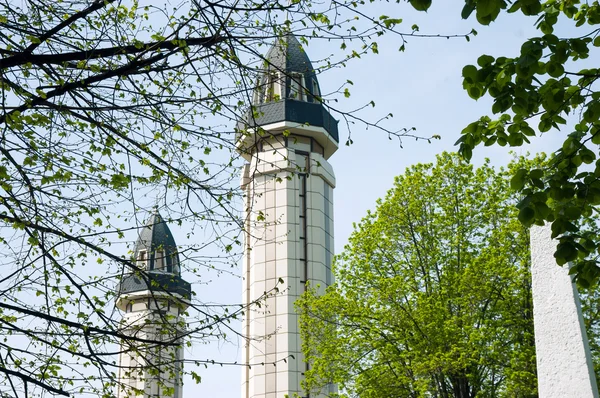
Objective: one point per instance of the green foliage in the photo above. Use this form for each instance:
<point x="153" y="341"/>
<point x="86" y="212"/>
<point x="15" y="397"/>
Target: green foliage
<point x="432" y="294"/>
<point x="108" y="108"/>
<point x="538" y="90"/>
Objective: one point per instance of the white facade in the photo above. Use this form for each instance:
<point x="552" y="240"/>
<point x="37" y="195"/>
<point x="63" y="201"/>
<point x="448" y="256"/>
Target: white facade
<point x="564" y="361"/>
<point x="148" y="367"/>
<point x="153" y="300"/>
<point x="288" y="185"/>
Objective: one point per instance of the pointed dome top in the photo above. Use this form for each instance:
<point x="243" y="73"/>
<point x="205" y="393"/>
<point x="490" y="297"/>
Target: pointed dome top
<point x="287" y="74"/>
<point x="155" y="249"/>
<point x="156" y="252"/>
<point x="287" y="55"/>
<point x="287" y="91"/>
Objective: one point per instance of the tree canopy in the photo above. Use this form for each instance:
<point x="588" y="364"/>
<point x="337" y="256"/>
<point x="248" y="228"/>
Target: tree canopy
<point x="432" y="293"/>
<point x="108" y="108"/>
<point x="547" y="85"/>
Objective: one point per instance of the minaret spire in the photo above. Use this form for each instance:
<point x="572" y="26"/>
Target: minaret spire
<point x="153" y="298"/>
<point x="288" y="182"/>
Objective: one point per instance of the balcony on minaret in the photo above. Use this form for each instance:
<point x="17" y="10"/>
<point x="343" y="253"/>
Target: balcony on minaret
<point x="287" y="101"/>
<point x="157" y="268"/>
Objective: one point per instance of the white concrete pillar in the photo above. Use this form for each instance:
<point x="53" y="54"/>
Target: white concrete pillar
<point x="564" y="363"/>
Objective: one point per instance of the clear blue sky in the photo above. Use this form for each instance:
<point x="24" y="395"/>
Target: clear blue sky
<point x="422" y="87"/>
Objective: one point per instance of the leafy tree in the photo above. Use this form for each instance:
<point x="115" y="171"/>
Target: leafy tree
<point x="105" y="102"/>
<point x="546" y="85"/>
<point x="432" y="294"/>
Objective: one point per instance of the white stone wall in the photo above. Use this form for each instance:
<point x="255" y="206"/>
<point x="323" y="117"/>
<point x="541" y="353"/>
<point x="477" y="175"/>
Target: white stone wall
<point x="138" y="367"/>
<point x="564" y="364"/>
<point x="273" y="185"/>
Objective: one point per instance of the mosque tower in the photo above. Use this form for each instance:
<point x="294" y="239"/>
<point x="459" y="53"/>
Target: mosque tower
<point x="154" y="300"/>
<point x="288" y="184"/>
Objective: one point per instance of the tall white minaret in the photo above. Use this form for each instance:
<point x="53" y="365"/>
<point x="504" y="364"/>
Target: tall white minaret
<point x="153" y="301"/>
<point x="288" y="185"/>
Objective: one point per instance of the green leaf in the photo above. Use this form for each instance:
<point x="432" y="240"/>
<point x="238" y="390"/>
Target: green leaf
<point x="526" y="216"/>
<point x="488" y="10"/>
<point x="467" y="9"/>
<point x="517" y="182"/>
<point x="475" y="92"/>
<point x="555" y="69"/>
<point x="531" y="7"/>
<point x="485" y="60"/>
<point x="536" y="174"/>
<point x="587" y="156"/>
<point x="565" y="252"/>
<point x="421" y="5"/>
<point x="469" y="72"/>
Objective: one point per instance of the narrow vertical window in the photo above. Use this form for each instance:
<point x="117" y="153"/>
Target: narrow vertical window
<point x="315" y="92"/>
<point x="302" y="214"/>
<point x="159" y="260"/>
<point x="276" y="86"/>
<point x="328" y="224"/>
<point x="172" y="265"/>
<point x="257" y="97"/>
<point x="141" y="260"/>
<point x="297" y="86"/>
<point x="272" y="87"/>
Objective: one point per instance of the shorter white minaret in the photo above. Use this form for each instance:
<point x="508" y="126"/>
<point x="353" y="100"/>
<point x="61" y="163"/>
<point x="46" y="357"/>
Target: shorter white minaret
<point x="153" y="300"/>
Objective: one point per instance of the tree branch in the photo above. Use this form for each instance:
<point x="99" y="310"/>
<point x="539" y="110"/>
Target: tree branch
<point x="21" y="58"/>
